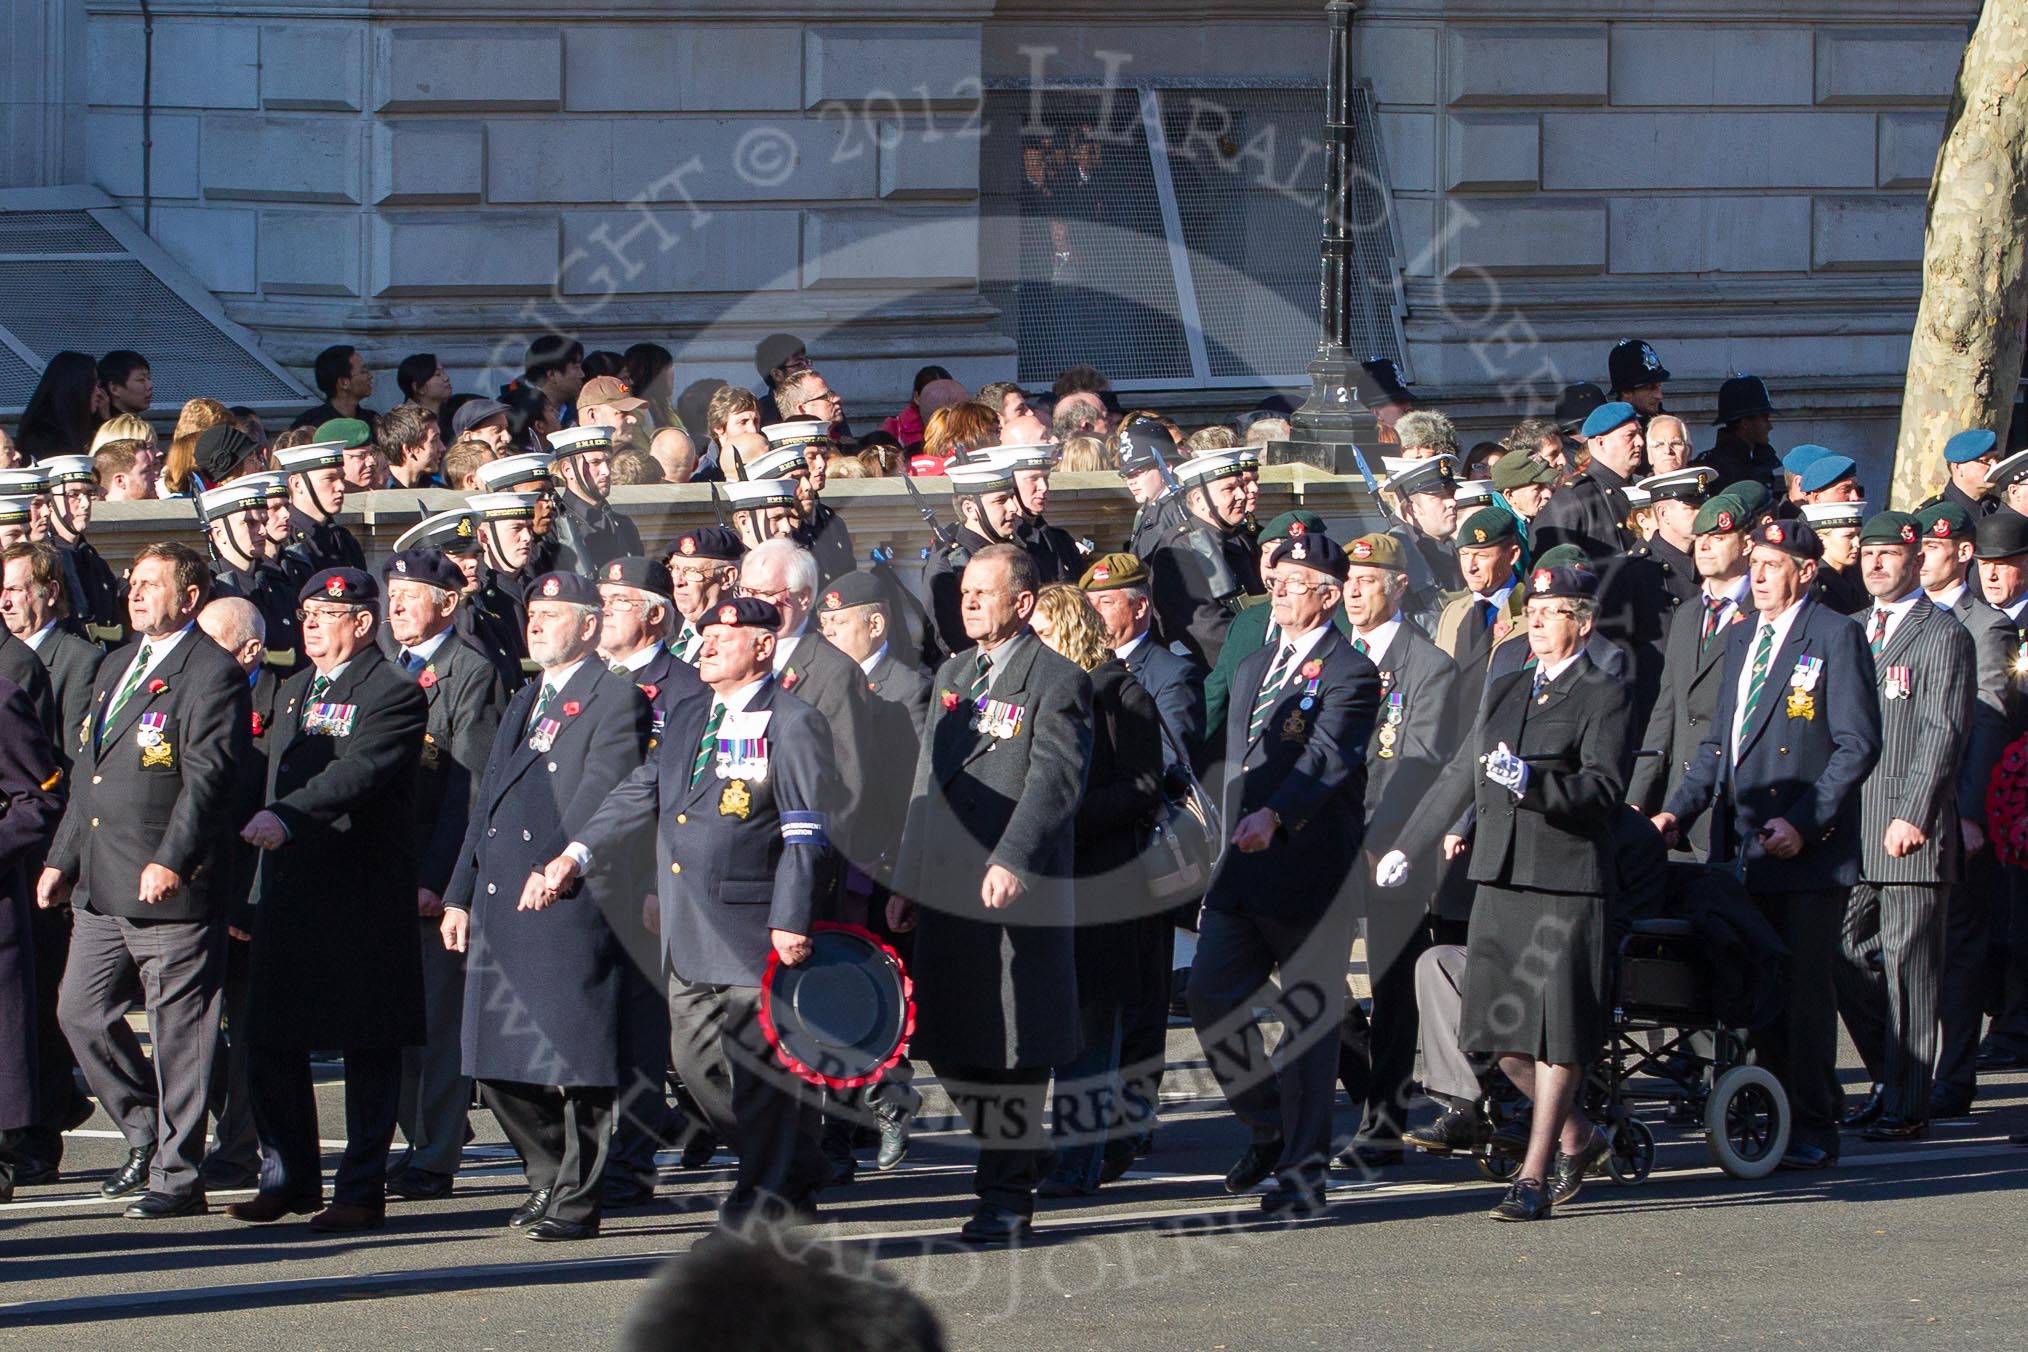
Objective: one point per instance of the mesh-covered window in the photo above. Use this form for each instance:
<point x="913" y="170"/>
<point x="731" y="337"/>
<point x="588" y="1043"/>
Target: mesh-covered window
<point x="1193" y="260"/>
<point x="52" y="300"/>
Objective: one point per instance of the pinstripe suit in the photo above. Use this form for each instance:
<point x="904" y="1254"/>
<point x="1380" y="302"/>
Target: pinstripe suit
<point x="1894" y="923"/>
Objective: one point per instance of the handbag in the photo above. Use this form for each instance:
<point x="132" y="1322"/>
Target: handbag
<point x="1181" y="846"/>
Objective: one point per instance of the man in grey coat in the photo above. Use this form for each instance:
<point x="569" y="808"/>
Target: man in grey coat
<point x="1911" y="854"/>
<point x="985" y="880"/>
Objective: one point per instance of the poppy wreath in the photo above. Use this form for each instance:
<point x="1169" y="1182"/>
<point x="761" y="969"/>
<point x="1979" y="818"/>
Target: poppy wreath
<point x="2007" y="805"/>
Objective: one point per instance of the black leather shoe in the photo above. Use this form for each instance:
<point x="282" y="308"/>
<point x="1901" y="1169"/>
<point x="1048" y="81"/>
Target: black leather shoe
<point x="132" y="1176"/>
<point x="550" y="1230"/>
<point x="698" y="1152"/>
<point x="1944" y="1104"/>
<point x="1895" y="1129"/>
<point x="1571" y="1169"/>
<point x="158" y="1206"/>
<point x="993" y="1224"/>
<point x="1256" y="1164"/>
<point x="1526" y="1200"/>
<point x="1363" y="1155"/>
<point x="419" y="1185"/>
<point x="1999" y="1058"/>
<point x="531" y="1209"/>
<point x="893" y="1138"/>
<point x="1867" y="1113"/>
<point x="841" y="1171"/>
<point x="618" y="1193"/>
<point x="1456" y="1130"/>
<point x="1293" y="1200"/>
<point x="31" y="1173"/>
<point x="1802" y="1158"/>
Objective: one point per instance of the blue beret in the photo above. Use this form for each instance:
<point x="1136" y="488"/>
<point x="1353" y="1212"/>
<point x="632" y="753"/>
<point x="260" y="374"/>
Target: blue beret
<point x="432" y="567"/>
<point x="575" y="588"/>
<point x="1970" y="445"/>
<point x="1605" y="418"/>
<point x="347" y="586"/>
<point x="1799" y="458"/>
<point x="749" y="611"/>
<point x="1826" y="470"/>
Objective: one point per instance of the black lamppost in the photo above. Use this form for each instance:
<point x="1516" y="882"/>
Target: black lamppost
<point x="1333" y="418"/>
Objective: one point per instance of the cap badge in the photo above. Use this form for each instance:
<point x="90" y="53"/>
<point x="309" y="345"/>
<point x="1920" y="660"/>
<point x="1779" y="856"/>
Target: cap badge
<point x="464" y="527"/>
<point x="1101" y="573"/>
<point x="551" y="587"/>
<point x="1907" y="533"/>
<point x="728" y="615"/>
<point x="401" y="565"/>
<point x="334" y="586"/>
<point x="614" y="570"/>
<point x="1478" y="535"/>
<point x="1941" y="528"/>
<point x="1296" y="528"/>
<point x="1299" y="550"/>
<point x="1362" y="549"/>
<point x="1541" y="579"/>
<point x="1725" y="521"/>
<point x="1775" y="533"/>
<point x="833" y="600"/>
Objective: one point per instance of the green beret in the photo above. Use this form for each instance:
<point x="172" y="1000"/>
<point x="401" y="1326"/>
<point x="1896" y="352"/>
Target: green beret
<point x="1752" y="497"/>
<point x="1890" y="528"/>
<point x="1945" y="521"/>
<point x="1489" y="526"/>
<point x="1721" y="515"/>
<point x="1285" y="526"/>
<point x="1564" y="556"/>
<point x="352" y="432"/>
<point x="1515" y="470"/>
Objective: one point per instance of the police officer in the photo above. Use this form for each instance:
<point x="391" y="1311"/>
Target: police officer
<point x="1057" y="557"/>
<point x="465" y="693"/>
<point x="316" y="495"/>
<point x="93" y="589"/>
<point x="736" y="794"/>
<point x="235" y="520"/>
<point x="1145" y="451"/>
<point x="1692" y="658"/>
<point x="506" y="537"/>
<point x="988" y="512"/>
<point x="1745" y="420"/>
<point x="334" y="962"/>
<point x="589" y="532"/>
<point x="1636" y="375"/>
<point x="1203" y="567"/>
<point x="703" y="570"/>
<point x="543" y="986"/>
<point x="1591" y="510"/>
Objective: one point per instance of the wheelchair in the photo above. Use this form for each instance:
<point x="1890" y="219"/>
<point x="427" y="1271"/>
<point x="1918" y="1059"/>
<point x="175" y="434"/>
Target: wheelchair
<point x="1665" y="1045"/>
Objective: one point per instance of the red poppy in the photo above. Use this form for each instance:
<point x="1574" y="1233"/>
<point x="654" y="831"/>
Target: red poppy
<point x="428" y="678"/>
<point x="258" y="726"/>
<point x="650" y="691"/>
<point x="1312" y="669"/>
<point x="570" y="708"/>
<point x="950" y="699"/>
<point x="156" y="687"/>
<point x="790" y="680"/>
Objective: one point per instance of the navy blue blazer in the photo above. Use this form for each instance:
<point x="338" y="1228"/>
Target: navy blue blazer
<point x="1177" y="685"/>
<point x="1803" y="767"/>
<point x="1309" y="765"/>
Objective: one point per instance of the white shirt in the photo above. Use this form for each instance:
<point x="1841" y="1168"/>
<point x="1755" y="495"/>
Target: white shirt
<point x="1949" y="597"/>
<point x="1380" y="640"/>
<point x="558" y="679"/>
<point x="1896" y="612"/>
<point x="1550" y="673"/>
<point x="157" y="649"/>
<point x="2014" y="609"/>
<point x="1731" y="600"/>
<point x="1303" y="644"/>
<point x="785" y="648"/>
<point x="635" y="661"/>
<point x="872" y="659"/>
<point x="1131" y="646"/>
<point x="36" y="639"/>
<point x="428" y="648"/>
<point x="1781" y="624"/>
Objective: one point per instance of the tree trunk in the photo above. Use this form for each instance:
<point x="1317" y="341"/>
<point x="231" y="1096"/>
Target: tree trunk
<point x="1964" y="359"/>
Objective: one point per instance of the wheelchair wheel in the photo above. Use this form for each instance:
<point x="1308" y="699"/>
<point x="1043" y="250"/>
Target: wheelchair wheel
<point x="1747" y="1122"/>
<point x="1633" y="1152"/>
<point x="1496" y="1166"/>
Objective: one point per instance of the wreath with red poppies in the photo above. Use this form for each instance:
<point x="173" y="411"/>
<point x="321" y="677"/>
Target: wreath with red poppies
<point x="2007" y="805"/>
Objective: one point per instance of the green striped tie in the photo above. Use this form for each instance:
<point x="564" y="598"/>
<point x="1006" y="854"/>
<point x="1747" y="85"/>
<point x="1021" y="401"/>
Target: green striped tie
<point x="126" y="691"/>
<point x="1269" y="689"/>
<point x="541" y="707"/>
<point x="707" y="743"/>
<point x="981" y="677"/>
<point x="1763" y="654"/>
<point x="318" y="685"/>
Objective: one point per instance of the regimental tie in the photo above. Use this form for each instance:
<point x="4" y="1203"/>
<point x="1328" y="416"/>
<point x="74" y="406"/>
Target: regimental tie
<point x="1270" y="687"/>
<point x="541" y="707"/>
<point x="127" y="687"/>
<point x="1763" y="654"/>
<point x="707" y="743"/>
<point x="318" y="685"/>
<point x="1359" y="646"/>
<point x="1714" y="606"/>
<point x="1879" y="637"/>
<point x="982" y="676"/>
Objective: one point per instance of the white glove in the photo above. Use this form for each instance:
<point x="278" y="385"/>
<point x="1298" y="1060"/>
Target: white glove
<point x="1392" y="870"/>
<point x="1507" y="770"/>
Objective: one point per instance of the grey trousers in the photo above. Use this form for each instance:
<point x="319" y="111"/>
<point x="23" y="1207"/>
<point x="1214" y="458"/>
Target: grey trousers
<point x="177" y="967"/>
<point x="1888" y="987"/>
<point x="1440" y="1000"/>
<point x="436" y="1095"/>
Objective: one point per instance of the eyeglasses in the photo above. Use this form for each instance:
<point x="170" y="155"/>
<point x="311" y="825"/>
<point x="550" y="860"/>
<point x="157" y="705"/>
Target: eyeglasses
<point x="1284" y="586"/>
<point x="325" y="614"/>
<point x="622" y="604"/>
<point x="827" y="397"/>
<point x="773" y="598"/>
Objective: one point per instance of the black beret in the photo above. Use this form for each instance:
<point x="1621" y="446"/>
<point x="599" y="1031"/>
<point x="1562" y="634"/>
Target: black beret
<point x="219" y="450"/>
<point x="719" y="543"/>
<point x="749" y="611"/>
<point x="575" y="588"/>
<point x="347" y="586"/>
<point x="1569" y="583"/>
<point x="431" y="567"/>
<point x="1313" y="551"/>
<point x="1794" y="538"/>
<point x="631" y="570"/>
<point x="852" y="589"/>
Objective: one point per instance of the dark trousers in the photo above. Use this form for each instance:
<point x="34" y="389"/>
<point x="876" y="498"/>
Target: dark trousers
<point x="1144" y="1028"/>
<point x="1801" y="1047"/>
<point x="234" y="1141"/>
<point x="562" y="1136"/>
<point x="177" y="968"/>
<point x="436" y="1094"/>
<point x="1887" y="987"/>
<point x="643" y="1120"/>
<point x="1972" y="981"/>
<point x="769" y="1118"/>
<point x="1004" y="1110"/>
<point x="1390" y="964"/>
<point x="55" y="1086"/>
<point x="1288" y="1098"/>
<point x="285" y="1112"/>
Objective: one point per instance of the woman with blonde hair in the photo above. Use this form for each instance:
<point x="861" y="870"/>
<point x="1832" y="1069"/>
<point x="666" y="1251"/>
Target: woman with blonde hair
<point x="955" y="432"/>
<point x="179" y="466"/>
<point x="198" y="414"/>
<point x="1085" y="455"/>
<point x="125" y="427"/>
<point x="1123" y="793"/>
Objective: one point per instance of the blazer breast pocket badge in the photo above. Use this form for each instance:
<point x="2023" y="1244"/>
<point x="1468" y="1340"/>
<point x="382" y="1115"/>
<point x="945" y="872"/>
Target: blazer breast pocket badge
<point x="736" y="800"/>
<point x="1295" y="727"/>
<point x="153" y="738"/>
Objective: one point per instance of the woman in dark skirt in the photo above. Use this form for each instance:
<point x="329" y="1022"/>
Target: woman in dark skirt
<point x="1122" y="793"/>
<point x="1549" y="740"/>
